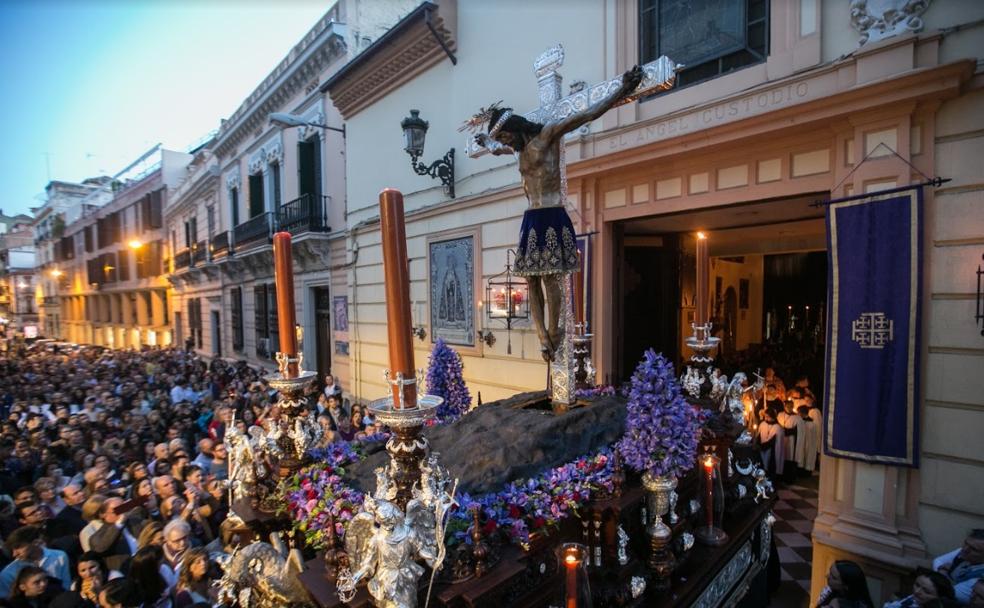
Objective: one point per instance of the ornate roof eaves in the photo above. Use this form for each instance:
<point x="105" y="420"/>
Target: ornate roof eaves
<point x="410" y="47"/>
<point x="280" y="86"/>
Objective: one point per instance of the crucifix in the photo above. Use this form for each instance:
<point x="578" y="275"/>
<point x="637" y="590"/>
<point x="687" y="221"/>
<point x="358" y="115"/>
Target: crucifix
<point x="547" y="251"/>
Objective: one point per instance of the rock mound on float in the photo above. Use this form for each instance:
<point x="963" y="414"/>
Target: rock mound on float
<point x="511" y="439"/>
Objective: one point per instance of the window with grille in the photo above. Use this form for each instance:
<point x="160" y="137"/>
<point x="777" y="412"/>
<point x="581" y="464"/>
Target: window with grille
<point x="709" y="37"/>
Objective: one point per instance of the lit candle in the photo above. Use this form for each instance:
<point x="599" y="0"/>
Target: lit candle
<point x="570" y="588"/>
<point x="703" y="272"/>
<point x="283" y="274"/>
<point x="396" y="272"/>
<point x="709" y="493"/>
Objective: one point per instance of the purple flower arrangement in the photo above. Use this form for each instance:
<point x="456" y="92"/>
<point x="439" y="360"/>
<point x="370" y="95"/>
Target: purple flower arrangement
<point x="445" y="379"/>
<point x="661" y="428"/>
<point x="317" y="493"/>
<point x="594" y="392"/>
<point x="534" y="505"/>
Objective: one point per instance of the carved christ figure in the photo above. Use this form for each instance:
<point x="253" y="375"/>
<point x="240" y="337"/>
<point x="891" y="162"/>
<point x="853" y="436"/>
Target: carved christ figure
<point x="547" y="249"/>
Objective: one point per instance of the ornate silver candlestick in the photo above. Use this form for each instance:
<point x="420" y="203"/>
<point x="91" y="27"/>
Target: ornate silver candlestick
<point x="407" y="447"/>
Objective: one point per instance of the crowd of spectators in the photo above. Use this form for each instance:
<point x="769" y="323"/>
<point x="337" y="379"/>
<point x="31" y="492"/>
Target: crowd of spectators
<point x="112" y="472"/>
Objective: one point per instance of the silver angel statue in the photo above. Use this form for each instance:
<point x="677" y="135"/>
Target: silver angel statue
<point x="734" y="397"/>
<point x="262" y="575"/>
<point x="719" y="384"/>
<point x="384" y="543"/>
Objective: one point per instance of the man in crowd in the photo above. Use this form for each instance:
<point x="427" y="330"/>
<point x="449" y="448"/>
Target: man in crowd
<point x="27" y="548"/>
<point x="964" y="566"/>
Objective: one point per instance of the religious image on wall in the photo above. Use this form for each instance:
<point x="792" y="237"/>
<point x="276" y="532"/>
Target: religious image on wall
<point x="452" y="292"/>
<point x="339" y="320"/>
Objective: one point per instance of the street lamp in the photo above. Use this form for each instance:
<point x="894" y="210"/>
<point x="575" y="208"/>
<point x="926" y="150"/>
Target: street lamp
<point x="135" y="244"/>
<point x="56" y="273"/>
<point x="285" y="120"/>
<point x="414" y="133"/>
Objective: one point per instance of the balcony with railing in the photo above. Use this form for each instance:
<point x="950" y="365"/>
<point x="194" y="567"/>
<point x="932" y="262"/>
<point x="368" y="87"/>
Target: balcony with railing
<point x="254" y="231"/>
<point x="199" y="253"/>
<point x="306" y="213"/>
<point x="182" y="260"/>
<point x="219" y="245"/>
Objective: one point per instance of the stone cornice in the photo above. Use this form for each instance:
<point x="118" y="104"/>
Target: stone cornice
<point x="198" y="186"/>
<point x="320" y="48"/>
<point x="406" y="50"/>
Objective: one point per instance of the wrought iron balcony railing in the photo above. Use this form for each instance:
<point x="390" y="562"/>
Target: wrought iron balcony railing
<point x="199" y="253"/>
<point x="254" y="230"/>
<point x="306" y="213"/>
<point x="182" y="259"/>
<point x="220" y="245"/>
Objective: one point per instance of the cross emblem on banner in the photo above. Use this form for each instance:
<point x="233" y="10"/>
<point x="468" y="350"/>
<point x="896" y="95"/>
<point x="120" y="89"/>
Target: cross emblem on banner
<point x="872" y="330"/>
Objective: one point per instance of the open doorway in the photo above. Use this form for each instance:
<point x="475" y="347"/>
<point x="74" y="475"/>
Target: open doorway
<point x="768" y="283"/>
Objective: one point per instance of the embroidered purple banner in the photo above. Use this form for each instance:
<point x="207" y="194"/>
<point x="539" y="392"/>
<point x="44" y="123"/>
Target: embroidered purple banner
<point x="874" y="252"/>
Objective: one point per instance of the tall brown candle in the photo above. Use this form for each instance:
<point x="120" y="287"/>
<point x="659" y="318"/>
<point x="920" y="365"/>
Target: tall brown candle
<point x="703" y="272"/>
<point x="396" y="272"/>
<point x="283" y="275"/>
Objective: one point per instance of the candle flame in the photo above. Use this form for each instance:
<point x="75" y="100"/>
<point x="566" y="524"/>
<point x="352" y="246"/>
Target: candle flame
<point x="570" y="558"/>
<point x="701" y="235"/>
<point x="708" y="462"/>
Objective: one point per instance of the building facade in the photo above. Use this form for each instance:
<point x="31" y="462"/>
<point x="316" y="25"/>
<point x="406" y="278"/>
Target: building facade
<point x="65" y="204"/>
<point x="18" y="308"/>
<point x="762" y="122"/>
<point x="115" y="290"/>
<point x="257" y="178"/>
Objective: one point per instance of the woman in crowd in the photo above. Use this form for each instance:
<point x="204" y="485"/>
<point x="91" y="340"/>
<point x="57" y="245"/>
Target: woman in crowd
<point x="92" y="576"/>
<point x="151" y="534"/>
<point x="846" y="587"/>
<point x="929" y="590"/>
<point x="145" y="573"/>
<point x="194" y="583"/>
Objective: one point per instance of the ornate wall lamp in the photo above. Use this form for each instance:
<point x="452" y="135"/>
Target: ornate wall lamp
<point x="414" y="132"/>
<point x="507" y="298"/>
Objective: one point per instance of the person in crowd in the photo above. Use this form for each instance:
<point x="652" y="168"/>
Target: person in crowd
<point x="929" y="589"/>
<point x="194" y="583"/>
<point x="331" y="387"/>
<point x="792" y="425"/>
<point x="977" y="594"/>
<point x="337" y="411"/>
<point x="963" y="566"/>
<point x="808" y="444"/>
<point x="116" y="540"/>
<point x="204" y="457"/>
<point x="145" y="571"/>
<point x="84" y="592"/>
<point x="27" y="548"/>
<point x="32" y="588"/>
<point x="118" y="593"/>
<point x="70" y="520"/>
<point x="847" y="587"/>
<point x="219" y="468"/>
<point x="177" y="540"/>
<point x="770" y="442"/>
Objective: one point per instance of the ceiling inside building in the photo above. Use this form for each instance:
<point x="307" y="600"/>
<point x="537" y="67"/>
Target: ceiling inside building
<point x="761" y="227"/>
